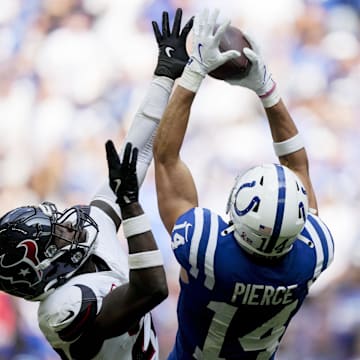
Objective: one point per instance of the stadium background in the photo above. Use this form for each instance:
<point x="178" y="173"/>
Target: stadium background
<point x="72" y="74"/>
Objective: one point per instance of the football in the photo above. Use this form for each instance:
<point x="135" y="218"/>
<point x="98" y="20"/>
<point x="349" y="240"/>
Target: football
<point x="238" y="68"/>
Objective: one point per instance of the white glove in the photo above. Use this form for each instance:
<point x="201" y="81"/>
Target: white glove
<point x="259" y="78"/>
<point x="205" y="55"/>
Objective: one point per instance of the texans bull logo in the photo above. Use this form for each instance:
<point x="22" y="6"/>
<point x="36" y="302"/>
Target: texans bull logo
<point x="24" y="270"/>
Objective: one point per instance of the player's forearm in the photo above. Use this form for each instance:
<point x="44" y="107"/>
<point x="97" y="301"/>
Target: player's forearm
<point x="282" y="129"/>
<point x="143" y="241"/>
<point x="154" y="103"/>
<point x="141" y="134"/>
<point x="145" y="260"/>
<point x="171" y="131"/>
<point x="281" y="124"/>
<point x="137" y="229"/>
<point x="146" y="120"/>
<point x="288" y="141"/>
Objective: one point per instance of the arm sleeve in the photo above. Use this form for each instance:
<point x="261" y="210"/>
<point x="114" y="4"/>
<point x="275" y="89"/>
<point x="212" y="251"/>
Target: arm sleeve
<point x="323" y="243"/>
<point x="68" y="317"/>
<point x="141" y="133"/>
<point x="182" y="239"/>
<point x="65" y="315"/>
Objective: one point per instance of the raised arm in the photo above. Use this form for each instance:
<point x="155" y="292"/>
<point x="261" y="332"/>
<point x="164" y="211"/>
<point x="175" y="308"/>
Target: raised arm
<point x="124" y="306"/>
<point x="287" y="141"/>
<point x="289" y="147"/>
<point x="169" y="67"/>
<point x="176" y="191"/>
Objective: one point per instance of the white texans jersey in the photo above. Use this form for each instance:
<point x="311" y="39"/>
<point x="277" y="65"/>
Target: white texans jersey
<point x="65" y="313"/>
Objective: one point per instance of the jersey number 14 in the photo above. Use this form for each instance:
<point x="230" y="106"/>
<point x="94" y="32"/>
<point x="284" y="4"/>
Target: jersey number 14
<point x="253" y="341"/>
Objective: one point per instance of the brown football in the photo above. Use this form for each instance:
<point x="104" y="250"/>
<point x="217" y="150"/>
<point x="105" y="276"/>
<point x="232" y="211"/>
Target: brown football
<point x="238" y="68"/>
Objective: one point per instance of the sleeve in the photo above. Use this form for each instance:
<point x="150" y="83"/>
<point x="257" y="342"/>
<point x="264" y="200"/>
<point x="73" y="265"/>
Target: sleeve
<point x="181" y="238"/>
<point x="192" y="240"/>
<point x="195" y="241"/>
<point x="322" y="240"/>
<point x="141" y="133"/>
<point x="66" y="315"/>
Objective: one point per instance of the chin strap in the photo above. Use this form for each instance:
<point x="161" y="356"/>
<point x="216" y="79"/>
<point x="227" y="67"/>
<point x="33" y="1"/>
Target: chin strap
<point x="228" y="230"/>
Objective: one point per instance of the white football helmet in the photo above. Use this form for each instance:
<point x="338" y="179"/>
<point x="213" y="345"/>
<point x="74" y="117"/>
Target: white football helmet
<point x="268" y="206"/>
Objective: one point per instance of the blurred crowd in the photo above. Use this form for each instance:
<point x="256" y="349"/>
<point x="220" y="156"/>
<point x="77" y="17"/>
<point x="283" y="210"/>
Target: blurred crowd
<point x="72" y="73"/>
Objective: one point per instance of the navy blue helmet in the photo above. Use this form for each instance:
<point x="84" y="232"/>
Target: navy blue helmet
<point x="41" y="248"/>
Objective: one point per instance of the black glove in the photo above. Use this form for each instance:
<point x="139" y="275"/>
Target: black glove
<point x="122" y="176"/>
<point x="172" y="46"/>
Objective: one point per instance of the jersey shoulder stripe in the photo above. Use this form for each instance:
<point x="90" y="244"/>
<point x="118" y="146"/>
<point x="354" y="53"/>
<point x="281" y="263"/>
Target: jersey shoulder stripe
<point x="210" y="251"/>
<point x="194" y="240"/>
<point x="326" y="239"/>
<point x="198" y="225"/>
<point x="85" y="316"/>
<point x="319" y="235"/>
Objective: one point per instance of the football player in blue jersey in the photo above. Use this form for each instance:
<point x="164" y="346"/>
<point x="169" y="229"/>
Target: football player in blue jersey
<point x="94" y="299"/>
<point x="242" y="279"/>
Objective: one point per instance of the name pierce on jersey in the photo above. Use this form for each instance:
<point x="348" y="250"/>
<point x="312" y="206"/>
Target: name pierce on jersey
<point x="255" y="294"/>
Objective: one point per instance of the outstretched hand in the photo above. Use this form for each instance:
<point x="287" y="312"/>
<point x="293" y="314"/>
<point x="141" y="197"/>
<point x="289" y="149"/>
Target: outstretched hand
<point x="172" y="45"/>
<point x="259" y="78"/>
<point x="206" y="55"/>
<point x="122" y="175"/>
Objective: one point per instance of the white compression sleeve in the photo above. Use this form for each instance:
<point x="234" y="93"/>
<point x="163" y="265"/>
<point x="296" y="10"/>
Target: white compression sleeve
<point x="142" y="131"/>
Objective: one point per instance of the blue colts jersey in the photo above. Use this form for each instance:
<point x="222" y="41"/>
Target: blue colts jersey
<point x="233" y="306"/>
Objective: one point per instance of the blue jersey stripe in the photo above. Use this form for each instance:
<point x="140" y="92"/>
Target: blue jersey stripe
<point x="315" y="239"/>
<point x="280" y="208"/>
<point x="329" y="243"/>
<point x="305" y="232"/>
<point x="323" y="240"/>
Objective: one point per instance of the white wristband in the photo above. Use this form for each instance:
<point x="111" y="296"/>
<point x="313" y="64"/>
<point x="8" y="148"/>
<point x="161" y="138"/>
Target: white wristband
<point x="191" y="80"/>
<point x="288" y="146"/>
<point x="136" y="225"/>
<point x="145" y="259"/>
<point x="271" y="97"/>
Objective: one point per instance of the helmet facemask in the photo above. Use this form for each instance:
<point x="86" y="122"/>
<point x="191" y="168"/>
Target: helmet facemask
<point x="268" y="207"/>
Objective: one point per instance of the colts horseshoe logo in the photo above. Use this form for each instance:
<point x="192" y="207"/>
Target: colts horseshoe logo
<point x="254" y="201"/>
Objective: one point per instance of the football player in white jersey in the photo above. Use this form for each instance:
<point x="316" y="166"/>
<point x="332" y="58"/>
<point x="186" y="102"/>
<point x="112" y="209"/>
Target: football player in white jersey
<point x="95" y="300"/>
<point x="242" y="279"/>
